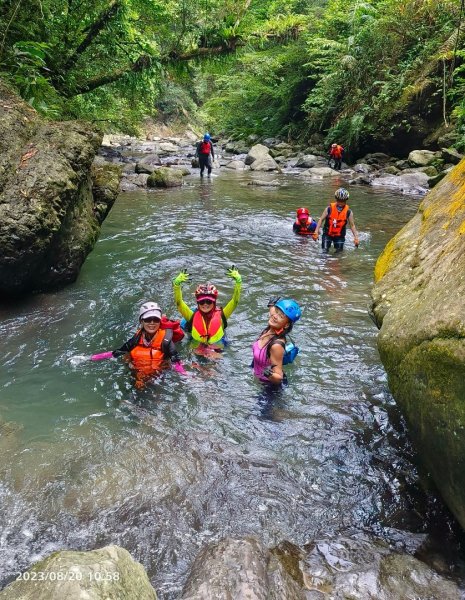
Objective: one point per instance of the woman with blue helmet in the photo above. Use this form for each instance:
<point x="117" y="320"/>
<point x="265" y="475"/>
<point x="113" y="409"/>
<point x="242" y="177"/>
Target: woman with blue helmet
<point x="269" y="350"/>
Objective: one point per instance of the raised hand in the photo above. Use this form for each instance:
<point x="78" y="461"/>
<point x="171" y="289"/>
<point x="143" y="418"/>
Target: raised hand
<point x="234" y="274"/>
<point x="181" y="278"/>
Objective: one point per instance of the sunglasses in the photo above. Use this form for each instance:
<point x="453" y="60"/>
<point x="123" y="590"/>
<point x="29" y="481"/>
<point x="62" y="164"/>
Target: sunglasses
<point x="152" y="320"/>
<point x="205" y="302"/>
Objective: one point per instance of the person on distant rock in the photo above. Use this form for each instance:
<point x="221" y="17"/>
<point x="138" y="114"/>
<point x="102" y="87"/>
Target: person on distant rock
<point x="205" y="153"/>
<point x="336" y="152"/>
<point x="304" y="223"/>
<point x="335" y="217"/>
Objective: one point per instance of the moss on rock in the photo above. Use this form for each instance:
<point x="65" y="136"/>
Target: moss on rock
<point x="419" y="307"/>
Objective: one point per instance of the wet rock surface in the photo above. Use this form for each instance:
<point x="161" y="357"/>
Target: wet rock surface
<point x="418" y="305"/>
<point x="109" y="573"/>
<point x="49" y="218"/>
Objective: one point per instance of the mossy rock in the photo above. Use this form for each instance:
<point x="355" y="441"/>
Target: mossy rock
<point x="418" y="305"/>
<point x="165" y="178"/>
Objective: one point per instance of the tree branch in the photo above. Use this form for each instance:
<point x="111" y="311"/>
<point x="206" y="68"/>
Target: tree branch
<point x="103" y="19"/>
<point x="143" y="62"/>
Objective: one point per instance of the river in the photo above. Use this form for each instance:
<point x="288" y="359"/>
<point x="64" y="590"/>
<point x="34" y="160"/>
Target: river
<point x="90" y="460"/>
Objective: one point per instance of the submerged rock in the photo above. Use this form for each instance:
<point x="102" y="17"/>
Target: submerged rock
<point x="109" y="573"/>
<point x="418" y="305"/>
<point x="49" y="219"/>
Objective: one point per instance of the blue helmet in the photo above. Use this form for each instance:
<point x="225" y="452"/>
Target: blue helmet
<point x="290" y="308"/>
<point x="207" y="137"/>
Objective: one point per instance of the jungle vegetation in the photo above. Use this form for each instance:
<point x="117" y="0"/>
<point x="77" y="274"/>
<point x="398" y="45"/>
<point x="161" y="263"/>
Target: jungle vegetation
<point x="354" y="71"/>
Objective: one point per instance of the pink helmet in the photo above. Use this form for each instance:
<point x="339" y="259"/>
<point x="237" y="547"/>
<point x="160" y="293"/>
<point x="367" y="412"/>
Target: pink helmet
<point x="302" y="212"/>
<point x="206" y="291"/>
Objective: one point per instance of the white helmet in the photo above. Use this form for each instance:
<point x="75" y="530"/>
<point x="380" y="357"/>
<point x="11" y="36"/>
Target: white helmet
<point x="149" y="309"/>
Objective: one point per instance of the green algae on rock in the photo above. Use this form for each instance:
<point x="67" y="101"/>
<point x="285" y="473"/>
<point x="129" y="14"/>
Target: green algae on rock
<point x="418" y="304"/>
<point x="49" y="219"/>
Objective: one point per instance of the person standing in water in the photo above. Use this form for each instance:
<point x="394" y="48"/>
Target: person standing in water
<point x="335" y="218"/>
<point x="205" y="154"/>
<point x="151" y="349"/>
<point x="269" y="349"/>
<point x="207" y="322"/>
<point x="304" y="223"/>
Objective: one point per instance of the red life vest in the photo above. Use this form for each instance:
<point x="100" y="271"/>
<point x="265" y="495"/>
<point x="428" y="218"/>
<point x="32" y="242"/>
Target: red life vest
<point x="178" y="333"/>
<point x="337" y="152"/>
<point x="151" y="356"/>
<point x="205" y="147"/>
<point x="303" y="229"/>
<point x="207" y="334"/>
<point x="337" y="220"/>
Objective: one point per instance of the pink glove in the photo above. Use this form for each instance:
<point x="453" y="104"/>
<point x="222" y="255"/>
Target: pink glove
<point x="101" y="356"/>
<point x="178" y="367"/>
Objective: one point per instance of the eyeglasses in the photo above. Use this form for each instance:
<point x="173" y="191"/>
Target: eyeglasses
<point x="205" y="302"/>
<point x="152" y="320"/>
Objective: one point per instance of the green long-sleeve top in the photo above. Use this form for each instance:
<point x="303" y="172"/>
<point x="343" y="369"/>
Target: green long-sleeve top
<point x="187" y="312"/>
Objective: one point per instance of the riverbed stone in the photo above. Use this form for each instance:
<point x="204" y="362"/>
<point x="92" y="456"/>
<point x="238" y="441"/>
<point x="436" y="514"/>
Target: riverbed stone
<point x="165" y="177"/>
<point x="148" y="164"/>
<point x="264" y="163"/>
<point x="307" y="161"/>
<point x="418" y="305"/>
<point x="257" y="152"/>
<point x="362" y="568"/>
<point x="109" y="573"/>
<point x="48" y="218"/>
<point x="421" y="158"/>
<point x="235" y="165"/>
<point x="319" y="172"/>
<point x="239" y="569"/>
<point x="451" y="155"/>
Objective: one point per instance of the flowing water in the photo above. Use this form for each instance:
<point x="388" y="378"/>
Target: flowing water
<point x="90" y="460"/>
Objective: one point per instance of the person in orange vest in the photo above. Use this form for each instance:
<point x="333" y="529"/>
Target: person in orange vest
<point x="335" y="153"/>
<point x="335" y="218"/>
<point x="304" y="223"/>
<point x="151" y="349"/>
<point x="205" y="154"/>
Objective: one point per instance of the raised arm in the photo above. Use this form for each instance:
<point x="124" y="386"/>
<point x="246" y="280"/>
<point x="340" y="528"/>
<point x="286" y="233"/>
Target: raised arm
<point x="231" y="305"/>
<point x="185" y="311"/>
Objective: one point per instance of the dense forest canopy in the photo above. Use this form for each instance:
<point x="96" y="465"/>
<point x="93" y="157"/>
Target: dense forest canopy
<point x="353" y="70"/>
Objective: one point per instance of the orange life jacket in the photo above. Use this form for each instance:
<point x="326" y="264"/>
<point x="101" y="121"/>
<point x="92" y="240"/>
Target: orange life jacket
<point x="152" y="356"/>
<point x="303" y="229"/>
<point x="211" y="334"/>
<point x="205" y="147"/>
<point x="337" y="220"/>
<point x="337" y="152"/>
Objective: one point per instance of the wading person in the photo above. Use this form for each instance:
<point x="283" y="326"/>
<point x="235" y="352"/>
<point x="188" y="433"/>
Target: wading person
<point x="207" y="322"/>
<point x="205" y="154"/>
<point x="151" y="349"/>
<point x="335" y="218"/>
<point x="336" y="153"/>
<point x="304" y="223"/>
<point x="271" y="350"/>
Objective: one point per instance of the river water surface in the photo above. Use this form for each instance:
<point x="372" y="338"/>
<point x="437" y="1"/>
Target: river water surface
<point x="90" y="460"/>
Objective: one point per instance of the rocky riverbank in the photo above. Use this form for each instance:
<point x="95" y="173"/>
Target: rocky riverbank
<point x="162" y="162"/>
<point x="237" y="568"/>
<point x="52" y="201"/>
<point x="418" y="305"/>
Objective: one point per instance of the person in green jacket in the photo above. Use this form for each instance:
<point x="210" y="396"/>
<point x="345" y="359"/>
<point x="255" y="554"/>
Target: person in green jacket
<point x="207" y="322"/>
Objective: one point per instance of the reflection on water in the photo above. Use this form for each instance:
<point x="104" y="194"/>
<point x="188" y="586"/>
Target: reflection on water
<point x="91" y="460"/>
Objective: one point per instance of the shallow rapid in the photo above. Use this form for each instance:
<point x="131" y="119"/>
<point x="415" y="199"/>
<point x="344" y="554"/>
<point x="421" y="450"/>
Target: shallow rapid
<point x="90" y="460"/>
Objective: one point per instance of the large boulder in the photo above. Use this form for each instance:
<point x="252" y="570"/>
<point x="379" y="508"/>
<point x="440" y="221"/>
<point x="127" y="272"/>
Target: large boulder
<point x="49" y="218"/>
<point x="148" y="164"/>
<point x="421" y="158"/>
<point x="109" y="573"/>
<point x="239" y="568"/>
<point x="319" y="172"/>
<point x="265" y="163"/>
<point x="165" y="177"/>
<point x="257" y="152"/>
<point x="307" y="161"/>
<point x="418" y="305"/>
